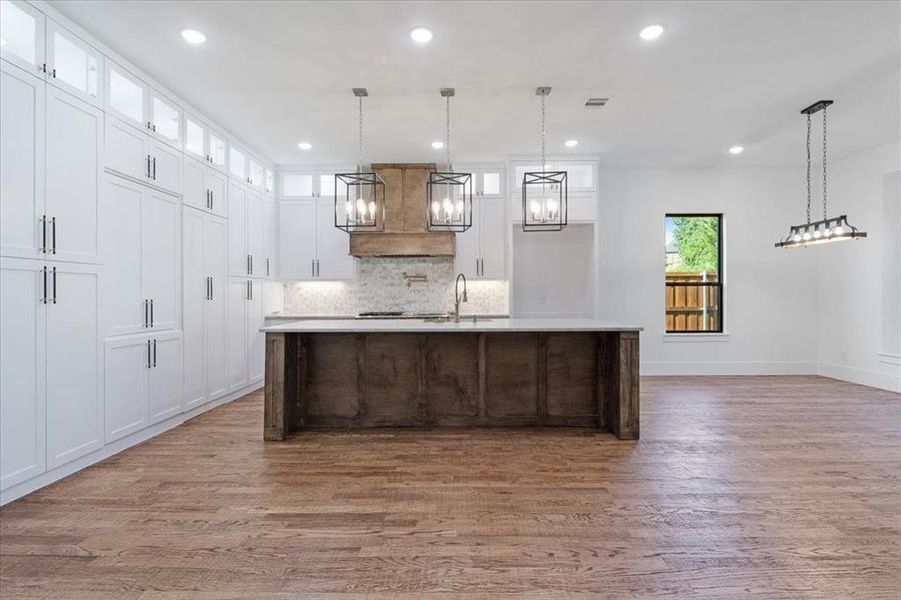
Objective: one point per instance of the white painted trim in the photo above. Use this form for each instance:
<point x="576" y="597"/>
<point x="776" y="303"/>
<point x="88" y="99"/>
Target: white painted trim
<point x="728" y="368"/>
<point x="696" y="337"/>
<point x="48" y="477"/>
<point x="889" y="359"/>
<point x="883" y="381"/>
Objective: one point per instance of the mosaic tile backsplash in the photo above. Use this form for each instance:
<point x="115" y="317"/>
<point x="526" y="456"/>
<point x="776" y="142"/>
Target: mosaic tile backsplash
<point x="380" y="286"/>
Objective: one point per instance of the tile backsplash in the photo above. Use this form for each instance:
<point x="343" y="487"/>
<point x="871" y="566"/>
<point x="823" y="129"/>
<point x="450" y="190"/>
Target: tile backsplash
<point x="380" y="286"/>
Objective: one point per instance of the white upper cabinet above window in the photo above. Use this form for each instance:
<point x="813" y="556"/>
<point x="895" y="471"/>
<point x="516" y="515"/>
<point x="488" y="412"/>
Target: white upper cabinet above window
<point x="73" y="65"/>
<point x="165" y="119"/>
<point x="237" y="164"/>
<point x="126" y="95"/>
<point x="22" y="35"/>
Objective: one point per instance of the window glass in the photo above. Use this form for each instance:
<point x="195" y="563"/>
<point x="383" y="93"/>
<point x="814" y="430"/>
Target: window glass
<point x="297" y="185"/>
<point x="693" y="273"/>
<point x="491" y="183"/>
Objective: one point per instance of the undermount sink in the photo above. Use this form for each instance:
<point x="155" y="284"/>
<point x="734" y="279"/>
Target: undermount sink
<point x="450" y="318"/>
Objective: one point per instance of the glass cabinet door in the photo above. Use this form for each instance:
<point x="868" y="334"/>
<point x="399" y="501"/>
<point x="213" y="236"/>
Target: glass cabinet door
<point x="256" y="174"/>
<point x="22" y="35"/>
<point x="297" y="185"/>
<point x="126" y="94"/>
<point x="195" y="137"/>
<point x="237" y="164"/>
<point x="490" y="183"/>
<point x="72" y="64"/>
<point x="270" y="181"/>
<point x="217" y="149"/>
<point x="165" y="118"/>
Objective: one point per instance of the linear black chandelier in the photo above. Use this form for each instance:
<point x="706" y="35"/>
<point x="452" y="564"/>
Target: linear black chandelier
<point x="828" y="229"/>
<point x="450" y="194"/>
<point x="544" y="193"/>
<point x="361" y="206"/>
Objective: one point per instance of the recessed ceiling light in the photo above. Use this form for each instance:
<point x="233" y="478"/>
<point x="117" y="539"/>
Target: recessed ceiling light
<point x="651" y="32"/>
<point x="437" y="144"/>
<point x="305" y="145"/>
<point x="571" y="143"/>
<point x="421" y="35"/>
<point x="736" y="149"/>
<point x="192" y="36"/>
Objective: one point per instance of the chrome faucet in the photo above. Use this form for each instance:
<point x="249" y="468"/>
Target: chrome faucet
<point x="457" y="297"/>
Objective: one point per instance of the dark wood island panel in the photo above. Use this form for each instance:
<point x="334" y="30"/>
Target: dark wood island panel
<point x="378" y="379"/>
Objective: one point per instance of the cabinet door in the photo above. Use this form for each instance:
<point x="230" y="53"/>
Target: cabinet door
<point x="216" y="317"/>
<point x="490" y="182"/>
<point x="297" y="185"/>
<point x="195" y="294"/>
<point x="122" y="305"/>
<point x="74" y="398"/>
<point x="22" y="356"/>
<point x="493" y="232"/>
<point x="270" y="238"/>
<point x="270" y="182"/>
<point x="256" y="340"/>
<point x="238" y="298"/>
<point x="22" y="30"/>
<point x="256" y="174"/>
<point x="332" y="245"/>
<point x="238" y="261"/>
<point x="73" y="163"/>
<point x="126" y="96"/>
<point x="467" y="259"/>
<point x="72" y="64"/>
<point x="165" y="389"/>
<point x="216" y="147"/>
<point x="237" y="164"/>
<point x="165" y="166"/>
<point x="126" y="365"/>
<point x="21" y="162"/>
<point x="194" y="190"/>
<point x="255" y="234"/>
<point x="165" y="119"/>
<point x="297" y="240"/>
<point x="126" y="150"/>
<point x="160" y="262"/>
<point x="217" y="184"/>
<point x="195" y="139"/>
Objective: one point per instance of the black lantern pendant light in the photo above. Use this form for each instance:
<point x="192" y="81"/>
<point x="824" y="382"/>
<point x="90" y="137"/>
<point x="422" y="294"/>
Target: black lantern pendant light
<point x="544" y="193"/>
<point x="359" y="196"/>
<point x="450" y="193"/>
<point x="829" y="229"/>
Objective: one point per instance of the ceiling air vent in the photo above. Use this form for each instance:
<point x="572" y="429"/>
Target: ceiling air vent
<point x="596" y="102"/>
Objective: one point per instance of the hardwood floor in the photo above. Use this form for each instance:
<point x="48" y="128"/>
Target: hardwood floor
<point x="772" y="487"/>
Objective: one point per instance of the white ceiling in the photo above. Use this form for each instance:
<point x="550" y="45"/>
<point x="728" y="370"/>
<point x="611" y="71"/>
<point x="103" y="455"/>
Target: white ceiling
<point x="723" y="73"/>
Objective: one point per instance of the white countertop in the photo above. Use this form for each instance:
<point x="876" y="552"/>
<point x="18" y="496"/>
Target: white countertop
<point x="466" y="324"/>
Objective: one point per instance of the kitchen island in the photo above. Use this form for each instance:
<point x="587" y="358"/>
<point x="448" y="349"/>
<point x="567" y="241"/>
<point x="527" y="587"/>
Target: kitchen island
<point x="476" y="372"/>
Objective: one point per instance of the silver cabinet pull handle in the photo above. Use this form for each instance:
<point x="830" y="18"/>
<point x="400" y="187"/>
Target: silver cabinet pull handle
<point x="154" y="352"/>
<point x="267" y="267"/>
<point x="148" y="354"/>
<point x="313" y="268"/>
<point x="148" y="164"/>
<point x="211" y="199"/>
<point x="43" y="248"/>
<point x="318" y="268"/>
<point x="53" y="235"/>
<point x="251" y="264"/>
<point x="54" y="285"/>
<point x="211" y="288"/>
<point x="154" y="163"/>
<point x="151" y="312"/>
<point x="44" y="297"/>
<point x="146" y="313"/>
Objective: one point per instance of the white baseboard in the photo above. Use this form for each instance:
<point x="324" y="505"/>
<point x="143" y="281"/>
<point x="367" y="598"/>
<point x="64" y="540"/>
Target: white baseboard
<point x="883" y="381"/>
<point x="48" y="477"/>
<point x="667" y="367"/>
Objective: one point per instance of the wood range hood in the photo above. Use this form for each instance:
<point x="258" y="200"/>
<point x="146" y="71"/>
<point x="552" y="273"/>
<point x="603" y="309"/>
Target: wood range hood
<point x="406" y="227"/>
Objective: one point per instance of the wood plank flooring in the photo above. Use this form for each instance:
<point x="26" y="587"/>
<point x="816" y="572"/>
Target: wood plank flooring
<point x="741" y="487"/>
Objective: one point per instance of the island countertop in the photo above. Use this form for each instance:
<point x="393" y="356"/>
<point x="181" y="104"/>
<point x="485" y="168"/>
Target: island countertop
<point x="466" y="324"/>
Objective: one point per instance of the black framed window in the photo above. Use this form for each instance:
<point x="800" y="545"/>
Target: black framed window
<point x="694" y="273"/>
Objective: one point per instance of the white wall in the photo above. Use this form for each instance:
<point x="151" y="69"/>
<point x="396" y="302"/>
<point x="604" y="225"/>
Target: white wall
<point x="855" y="278"/>
<point x="770" y="294"/>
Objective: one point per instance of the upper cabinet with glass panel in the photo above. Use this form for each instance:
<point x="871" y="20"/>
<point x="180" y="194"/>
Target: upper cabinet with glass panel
<point x="256" y="175"/>
<point x="126" y="95"/>
<point x="165" y="118"/>
<point x="270" y="182"/>
<point x="72" y="64"/>
<point x="22" y="36"/>
<point x="237" y="164"/>
<point x="195" y="138"/>
<point x="216" y="147"/>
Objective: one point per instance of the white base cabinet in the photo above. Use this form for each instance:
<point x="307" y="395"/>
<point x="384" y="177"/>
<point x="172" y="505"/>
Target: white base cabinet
<point x="205" y="306"/>
<point x="143" y="382"/>
<point x="140" y="245"/>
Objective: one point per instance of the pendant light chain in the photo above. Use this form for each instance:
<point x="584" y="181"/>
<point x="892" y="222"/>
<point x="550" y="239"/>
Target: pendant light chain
<point x="824" y="163"/>
<point x="543" y="132"/>
<point x="808" y="168"/>
<point x="447" y="133"/>
<point x="360" y="139"/>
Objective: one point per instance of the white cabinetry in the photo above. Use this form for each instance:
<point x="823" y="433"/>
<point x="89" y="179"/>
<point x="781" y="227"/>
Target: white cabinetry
<point x="205" y="319"/>
<point x="22" y="30"/>
<point x="582" y="185"/>
<point x="135" y="154"/>
<point x="143" y="382"/>
<point x="140" y="246"/>
<point x="204" y="143"/>
<point x="270" y="236"/>
<point x="238" y="257"/>
<point x="204" y="187"/>
<point x="482" y="249"/>
<point x="246" y="344"/>
<point x="310" y="246"/>
<point x="310" y="184"/>
<point x="72" y="64"/>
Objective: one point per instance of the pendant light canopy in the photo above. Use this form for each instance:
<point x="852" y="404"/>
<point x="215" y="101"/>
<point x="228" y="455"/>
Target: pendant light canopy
<point x="544" y="193"/>
<point x="828" y="229"/>
<point x="450" y="194"/>
<point x="359" y="196"/>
